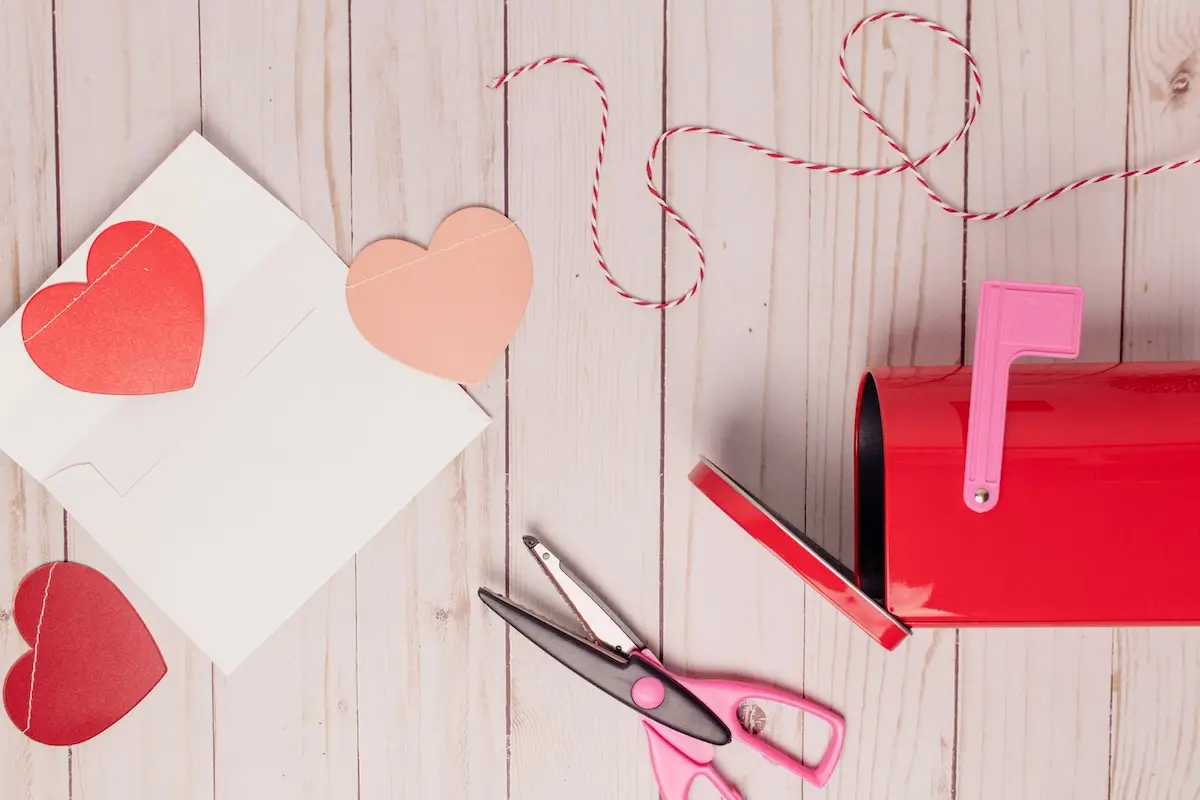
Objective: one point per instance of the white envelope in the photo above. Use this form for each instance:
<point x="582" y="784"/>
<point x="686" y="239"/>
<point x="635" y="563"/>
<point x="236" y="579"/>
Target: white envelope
<point x="232" y="502"/>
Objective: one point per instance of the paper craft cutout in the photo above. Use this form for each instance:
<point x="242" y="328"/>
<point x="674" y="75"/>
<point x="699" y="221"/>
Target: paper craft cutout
<point x="92" y="659"/>
<point x="134" y="328"/>
<point x="230" y="504"/>
<point x="450" y="310"/>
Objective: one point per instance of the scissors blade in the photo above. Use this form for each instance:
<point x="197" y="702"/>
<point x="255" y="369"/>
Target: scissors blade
<point x="615" y="675"/>
<point x="600" y="621"/>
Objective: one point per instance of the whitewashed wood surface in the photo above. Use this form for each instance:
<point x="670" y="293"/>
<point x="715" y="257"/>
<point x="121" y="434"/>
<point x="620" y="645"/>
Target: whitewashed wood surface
<point x="371" y="118"/>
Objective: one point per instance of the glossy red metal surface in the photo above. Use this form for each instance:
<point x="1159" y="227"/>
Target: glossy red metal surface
<point x="1099" y="521"/>
<point x="829" y="579"/>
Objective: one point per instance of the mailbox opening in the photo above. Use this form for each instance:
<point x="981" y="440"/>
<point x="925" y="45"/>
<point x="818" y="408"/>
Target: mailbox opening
<point x="869" y="495"/>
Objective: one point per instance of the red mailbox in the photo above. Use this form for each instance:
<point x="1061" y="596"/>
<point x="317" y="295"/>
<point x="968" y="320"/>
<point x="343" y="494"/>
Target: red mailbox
<point x="1098" y="520"/>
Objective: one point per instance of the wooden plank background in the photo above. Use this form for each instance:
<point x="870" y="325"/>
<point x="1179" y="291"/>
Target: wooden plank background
<point x="371" y="118"/>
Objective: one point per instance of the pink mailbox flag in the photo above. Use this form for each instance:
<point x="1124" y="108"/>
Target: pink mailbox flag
<point x="1015" y="319"/>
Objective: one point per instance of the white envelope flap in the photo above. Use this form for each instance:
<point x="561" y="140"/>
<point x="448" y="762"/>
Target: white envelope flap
<point x="289" y="476"/>
<point x="263" y="271"/>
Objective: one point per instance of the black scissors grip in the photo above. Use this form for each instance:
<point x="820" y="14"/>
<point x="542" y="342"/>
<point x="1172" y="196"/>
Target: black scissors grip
<point x="679" y="710"/>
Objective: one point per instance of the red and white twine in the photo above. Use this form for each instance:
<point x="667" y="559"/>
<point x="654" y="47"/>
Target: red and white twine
<point x="907" y="164"/>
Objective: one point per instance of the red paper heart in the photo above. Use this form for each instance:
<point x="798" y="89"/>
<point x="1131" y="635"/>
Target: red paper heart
<point x="136" y="327"/>
<point x="93" y="659"/>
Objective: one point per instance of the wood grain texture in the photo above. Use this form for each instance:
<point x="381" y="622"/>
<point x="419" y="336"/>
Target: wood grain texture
<point x="128" y="91"/>
<point x="585" y="378"/>
<point x="736" y="378"/>
<point x="1156" y="713"/>
<point x="1050" y="114"/>
<point x="371" y="118"/>
<point x="31" y="529"/>
<point x="429" y="139"/>
<point x="1033" y="714"/>
<point x="884" y="287"/>
<point x="276" y="101"/>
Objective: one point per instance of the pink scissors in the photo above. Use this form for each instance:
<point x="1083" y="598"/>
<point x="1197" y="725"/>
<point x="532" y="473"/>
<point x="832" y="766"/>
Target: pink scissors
<point x="685" y="719"/>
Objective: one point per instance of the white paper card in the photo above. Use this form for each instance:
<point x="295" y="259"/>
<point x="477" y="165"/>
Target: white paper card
<point x="232" y="502"/>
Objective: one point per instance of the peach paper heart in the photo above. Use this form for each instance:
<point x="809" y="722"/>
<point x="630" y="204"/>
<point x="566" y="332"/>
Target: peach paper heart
<point x="450" y="310"/>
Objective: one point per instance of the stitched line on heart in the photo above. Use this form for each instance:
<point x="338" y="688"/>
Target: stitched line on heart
<point x="89" y="286"/>
<point x="428" y="256"/>
<point x="355" y="285"/>
<point x="37" y="639"/>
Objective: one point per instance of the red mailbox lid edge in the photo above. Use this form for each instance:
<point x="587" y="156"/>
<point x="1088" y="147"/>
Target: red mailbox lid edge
<point x="791" y="547"/>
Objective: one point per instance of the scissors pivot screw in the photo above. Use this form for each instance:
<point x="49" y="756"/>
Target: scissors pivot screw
<point x="752" y="718"/>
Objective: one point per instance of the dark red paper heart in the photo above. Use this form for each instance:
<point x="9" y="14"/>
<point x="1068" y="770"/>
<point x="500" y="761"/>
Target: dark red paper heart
<point x="93" y="659"/>
<point x="136" y="327"/>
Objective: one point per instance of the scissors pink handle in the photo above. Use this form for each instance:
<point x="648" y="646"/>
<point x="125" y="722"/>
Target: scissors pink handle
<point x="680" y="759"/>
<point x="676" y="772"/>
